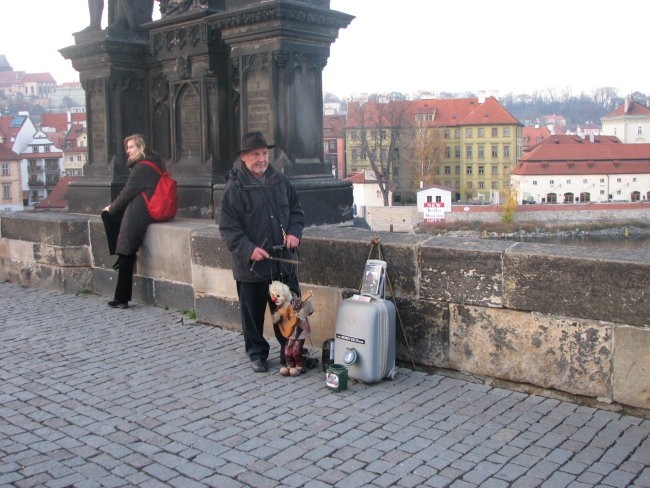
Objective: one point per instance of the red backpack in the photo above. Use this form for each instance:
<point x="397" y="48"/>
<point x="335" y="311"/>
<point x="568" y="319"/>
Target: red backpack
<point x="163" y="203"/>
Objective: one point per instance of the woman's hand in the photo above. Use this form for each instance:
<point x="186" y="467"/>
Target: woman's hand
<point x="105" y="209"/>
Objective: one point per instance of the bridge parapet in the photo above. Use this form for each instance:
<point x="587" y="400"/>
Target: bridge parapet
<point x="558" y="318"/>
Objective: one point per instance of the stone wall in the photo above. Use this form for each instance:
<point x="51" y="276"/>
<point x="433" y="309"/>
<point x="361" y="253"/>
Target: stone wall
<point x="555" y="317"/>
<point x="405" y="219"/>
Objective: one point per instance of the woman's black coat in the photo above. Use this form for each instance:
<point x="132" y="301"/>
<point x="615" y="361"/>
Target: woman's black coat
<point x="131" y="207"/>
<point x="255" y="214"/>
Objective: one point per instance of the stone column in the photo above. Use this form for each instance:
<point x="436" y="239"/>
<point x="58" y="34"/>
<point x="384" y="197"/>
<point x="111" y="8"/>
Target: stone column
<point x="113" y="69"/>
<point x="278" y="50"/>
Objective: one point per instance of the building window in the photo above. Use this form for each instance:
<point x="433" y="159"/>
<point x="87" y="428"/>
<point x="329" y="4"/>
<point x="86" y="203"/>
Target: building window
<point x="447" y="170"/>
<point x="468" y="132"/>
<point x="6" y="191"/>
<point x="5" y="169"/>
<point x="495" y="151"/>
<point x="468" y="151"/>
<point x="469" y="185"/>
<point x="568" y="182"/>
<point x="551" y="182"/>
<point x="495" y="170"/>
<point x="457" y="133"/>
<point x="481" y="151"/>
<point x="447" y="151"/>
<point x="481" y="170"/>
<point x="506" y="151"/>
<point x="494" y="185"/>
<point x="584" y="181"/>
<point x="618" y="180"/>
<point x="355" y="155"/>
<point x="602" y="180"/>
<point x="468" y="170"/>
<point x="447" y="134"/>
<point x="639" y="131"/>
<point x="457" y="151"/>
<point x="481" y="132"/>
<point x="481" y="185"/>
<point x="534" y="182"/>
<point x="495" y="132"/>
<point x="506" y="132"/>
<point x="457" y="170"/>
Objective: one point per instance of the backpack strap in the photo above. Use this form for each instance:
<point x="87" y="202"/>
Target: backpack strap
<point x="151" y="164"/>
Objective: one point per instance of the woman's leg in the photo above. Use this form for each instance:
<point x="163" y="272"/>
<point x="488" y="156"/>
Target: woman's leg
<point x="124" y="287"/>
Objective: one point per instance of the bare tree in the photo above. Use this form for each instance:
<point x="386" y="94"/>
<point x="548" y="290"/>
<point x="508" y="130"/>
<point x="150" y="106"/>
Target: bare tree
<point x="380" y="125"/>
<point x="605" y="97"/>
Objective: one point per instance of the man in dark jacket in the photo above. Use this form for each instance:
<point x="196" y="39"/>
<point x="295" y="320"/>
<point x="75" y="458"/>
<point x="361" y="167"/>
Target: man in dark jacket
<point x="261" y="221"/>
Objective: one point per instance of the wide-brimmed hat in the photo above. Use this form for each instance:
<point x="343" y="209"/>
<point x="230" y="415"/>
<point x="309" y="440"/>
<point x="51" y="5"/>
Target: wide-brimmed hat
<point x="254" y="140"/>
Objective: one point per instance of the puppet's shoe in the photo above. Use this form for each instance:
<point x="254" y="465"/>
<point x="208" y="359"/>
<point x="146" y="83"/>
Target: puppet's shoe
<point x="284" y="371"/>
<point x="295" y="371"/>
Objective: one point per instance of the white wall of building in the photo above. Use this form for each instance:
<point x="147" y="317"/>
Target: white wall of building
<point x="601" y="188"/>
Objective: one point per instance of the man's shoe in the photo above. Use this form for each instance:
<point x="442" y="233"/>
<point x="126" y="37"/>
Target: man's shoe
<point x="260" y="366"/>
<point x="118" y="304"/>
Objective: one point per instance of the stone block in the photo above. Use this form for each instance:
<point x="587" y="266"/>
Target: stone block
<point x="62" y="256"/>
<point x="165" y="251"/>
<point x="57" y="229"/>
<point x="213" y="281"/>
<point x="593" y="283"/>
<point x="631" y="375"/>
<point x="209" y="249"/>
<point x="65" y="279"/>
<point x="336" y="256"/>
<point x="219" y="311"/>
<point x="17" y="250"/>
<point x="467" y="271"/>
<point x="422" y="334"/>
<point x="567" y="354"/>
<point x="177" y="296"/>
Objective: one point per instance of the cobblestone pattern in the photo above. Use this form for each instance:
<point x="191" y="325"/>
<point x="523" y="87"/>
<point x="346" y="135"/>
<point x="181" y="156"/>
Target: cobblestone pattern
<point x="92" y="396"/>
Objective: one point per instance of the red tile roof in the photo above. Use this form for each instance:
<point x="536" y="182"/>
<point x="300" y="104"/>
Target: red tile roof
<point x="446" y="113"/>
<point x="58" y="198"/>
<point x="576" y="159"/>
<point x="582" y="168"/>
<point x="489" y="112"/>
<point x="532" y="136"/>
<point x="38" y="78"/>
<point x="633" y="108"/>
<point x="590" y="152"/>
<point x="7" y="154"/>
<point x="334" y="125"/>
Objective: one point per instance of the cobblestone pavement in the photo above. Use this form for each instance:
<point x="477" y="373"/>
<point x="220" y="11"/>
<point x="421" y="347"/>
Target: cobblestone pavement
<point x="94" y="396"/>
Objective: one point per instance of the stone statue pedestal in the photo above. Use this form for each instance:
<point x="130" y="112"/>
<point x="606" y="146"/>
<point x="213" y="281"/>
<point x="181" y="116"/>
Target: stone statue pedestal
<point x="197" y="79"/>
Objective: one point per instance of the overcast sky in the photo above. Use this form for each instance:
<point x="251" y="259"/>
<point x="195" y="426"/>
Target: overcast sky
<point x="410" y="45"/>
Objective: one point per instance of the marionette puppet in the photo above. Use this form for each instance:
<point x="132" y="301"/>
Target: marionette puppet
<point x="291" y="317"/>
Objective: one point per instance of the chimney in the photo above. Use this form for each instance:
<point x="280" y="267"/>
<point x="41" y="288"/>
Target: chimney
<point x="626" y="107"/>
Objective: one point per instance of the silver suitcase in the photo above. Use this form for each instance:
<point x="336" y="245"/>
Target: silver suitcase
<point x="365" y="334"/>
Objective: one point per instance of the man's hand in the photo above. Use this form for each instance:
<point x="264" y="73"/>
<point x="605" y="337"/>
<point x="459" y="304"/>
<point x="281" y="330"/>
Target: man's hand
<point x="259" y="254"/>
<point x="291" y="241"/>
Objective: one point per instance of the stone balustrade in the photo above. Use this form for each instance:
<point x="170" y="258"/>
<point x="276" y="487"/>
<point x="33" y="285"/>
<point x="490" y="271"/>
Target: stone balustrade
<point x="563" y="319"/>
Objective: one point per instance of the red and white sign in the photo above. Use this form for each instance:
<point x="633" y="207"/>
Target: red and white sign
<point x="434" y="211"/>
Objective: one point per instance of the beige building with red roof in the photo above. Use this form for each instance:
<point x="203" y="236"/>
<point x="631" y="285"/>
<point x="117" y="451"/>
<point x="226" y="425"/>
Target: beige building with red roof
<point x="583" y="172"/>
<point x="11" y="195"/>
<point x="468" y="144"/>
<point x="630" y="123"/>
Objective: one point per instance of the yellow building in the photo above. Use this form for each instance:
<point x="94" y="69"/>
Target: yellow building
<point x="467" y="145"/>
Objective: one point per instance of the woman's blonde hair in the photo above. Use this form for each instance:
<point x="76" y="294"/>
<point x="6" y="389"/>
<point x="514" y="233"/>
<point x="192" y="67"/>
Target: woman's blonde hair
<point x="138" y="140"/>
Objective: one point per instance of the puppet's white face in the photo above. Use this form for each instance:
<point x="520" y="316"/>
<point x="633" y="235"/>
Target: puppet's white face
<point x="280" y="294"/>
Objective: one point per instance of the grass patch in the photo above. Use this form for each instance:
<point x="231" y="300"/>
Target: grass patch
<point x="190" y="314"/>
